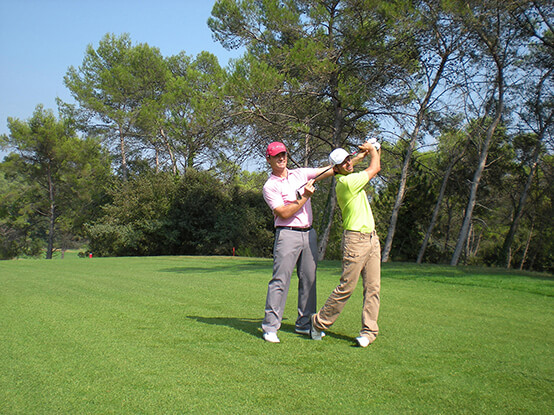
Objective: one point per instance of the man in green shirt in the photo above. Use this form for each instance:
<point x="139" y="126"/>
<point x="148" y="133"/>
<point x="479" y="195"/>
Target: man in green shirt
<point x="360" y="244"/>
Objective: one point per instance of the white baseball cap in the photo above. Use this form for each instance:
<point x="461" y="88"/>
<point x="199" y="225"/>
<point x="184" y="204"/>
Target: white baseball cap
<point x="337" y="156"/>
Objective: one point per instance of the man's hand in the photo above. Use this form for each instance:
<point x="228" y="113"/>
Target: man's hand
<point x="309" y="189"/>
<point x="375" y="143"/>
<point x="370" y="145"/>
<point x="288" y="210"/>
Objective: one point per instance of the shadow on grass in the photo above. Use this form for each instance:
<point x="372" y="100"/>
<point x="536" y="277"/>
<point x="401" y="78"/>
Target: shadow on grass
<point x="187" y="270"/>
<point x="409" y="269"/>
<point x="231" y="268"/>
<point x="252" y="326"/>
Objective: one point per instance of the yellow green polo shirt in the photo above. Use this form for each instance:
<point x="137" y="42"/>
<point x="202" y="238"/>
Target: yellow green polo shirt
<point x="352" y="199"/>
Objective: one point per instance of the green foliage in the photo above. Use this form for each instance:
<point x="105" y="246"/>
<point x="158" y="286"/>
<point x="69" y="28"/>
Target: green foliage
<point x="315" y="75"/>
<point x="63" y="179"/>
<point x="20" y="234"/>
<point x="502" y="183"/>
<point x="246" y="224"/>
<point x="199" y="201"/>
<point x="110" y="87"/>
<point x="194" y="214"/>
<point x="193" y="113"/>
<point x="149" y="107"/>
<point x="135" y="222"/>
<point x="415" y="212"/>
<point x="312" y="69"/>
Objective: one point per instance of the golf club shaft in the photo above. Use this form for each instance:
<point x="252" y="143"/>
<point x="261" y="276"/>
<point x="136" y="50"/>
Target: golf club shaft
<point x="323" y="172"/>
<point x="316" y="177"/>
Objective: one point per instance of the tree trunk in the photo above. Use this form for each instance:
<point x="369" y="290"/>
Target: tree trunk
<point x="475" y="242"/>
<point x="499" y="55"/>
<point x="52" y="217"/>
<point x="398" y="202"/>
<point x="524" y="256"/>
<point x="439" y="202"/>
<point x="508" y="241"/>
<point x="325" y="227"/>
<point x="435" y="215"/>
<point x="448" y="226"/>
<point x="462" y="237"/>
<point x="306" y="149"/>
<point x="123" y="154"/>
<point x="406" y="167"/>
<point x="171" y="155"/>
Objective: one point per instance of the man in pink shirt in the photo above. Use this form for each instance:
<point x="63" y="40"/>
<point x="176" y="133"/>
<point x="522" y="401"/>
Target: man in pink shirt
<point x="295" y="240"/>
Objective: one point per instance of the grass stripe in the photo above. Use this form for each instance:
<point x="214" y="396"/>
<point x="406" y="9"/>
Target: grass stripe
<point x="181" y="335"/>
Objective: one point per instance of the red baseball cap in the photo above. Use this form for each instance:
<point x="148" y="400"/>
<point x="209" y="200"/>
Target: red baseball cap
<point x="275" y="148"/>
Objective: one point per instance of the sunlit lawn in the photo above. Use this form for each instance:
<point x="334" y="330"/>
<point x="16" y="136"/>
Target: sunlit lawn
<point x="167" y="335"/>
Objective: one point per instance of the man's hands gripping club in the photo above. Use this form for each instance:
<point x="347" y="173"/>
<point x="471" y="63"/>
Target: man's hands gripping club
<point x="309" y="189"/>
<point x="373" y="141"/>
<point x="288" y="210"/>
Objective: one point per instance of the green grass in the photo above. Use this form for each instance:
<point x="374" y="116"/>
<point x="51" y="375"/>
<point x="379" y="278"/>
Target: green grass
<point x="168" y="335"/>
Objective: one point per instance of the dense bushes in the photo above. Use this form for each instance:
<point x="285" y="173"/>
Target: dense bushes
<point x="194" y="214"/>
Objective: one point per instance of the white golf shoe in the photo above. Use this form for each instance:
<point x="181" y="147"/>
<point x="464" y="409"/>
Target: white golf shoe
<point x="315" y="334"/>
<point x="363" y="341"/>
<point x="271" y="337"/>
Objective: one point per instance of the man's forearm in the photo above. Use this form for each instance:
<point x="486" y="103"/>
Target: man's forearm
<point x="289" y="210"/>
<point x="375" y="163"/>
<point x="359" y="157"/>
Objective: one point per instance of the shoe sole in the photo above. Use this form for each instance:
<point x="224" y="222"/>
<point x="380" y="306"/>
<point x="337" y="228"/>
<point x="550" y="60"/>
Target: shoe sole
<point x="307" y="333"/>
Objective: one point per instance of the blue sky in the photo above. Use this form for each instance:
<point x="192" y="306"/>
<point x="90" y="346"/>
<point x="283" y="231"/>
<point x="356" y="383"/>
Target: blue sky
<point x="40" y="39"/>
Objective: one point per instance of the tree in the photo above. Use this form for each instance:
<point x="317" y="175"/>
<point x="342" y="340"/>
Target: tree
<point x="193" y="214"/>
<point x="136" y="221"/>
<point x="20" y="231"/>
<point x="196" y="116"/>
<point x="498" y="39"/>
<point x="316" y="72"/>
<point x="61" y="169"/>
<point x="110" y="86"/>
<point x="449" y="148"/>
<point x="438" y="42"/>
<point x="538" y="111"/>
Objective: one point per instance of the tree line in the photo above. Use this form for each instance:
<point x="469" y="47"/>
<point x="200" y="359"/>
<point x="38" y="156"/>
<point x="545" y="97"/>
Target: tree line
<point x="459" y="93"/>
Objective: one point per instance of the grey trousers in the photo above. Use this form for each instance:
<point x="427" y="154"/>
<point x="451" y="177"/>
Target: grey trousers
<point x="292" y="248"/>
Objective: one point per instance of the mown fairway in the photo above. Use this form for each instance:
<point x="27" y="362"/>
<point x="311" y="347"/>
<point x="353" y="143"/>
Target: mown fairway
<point x="169" y="335"/>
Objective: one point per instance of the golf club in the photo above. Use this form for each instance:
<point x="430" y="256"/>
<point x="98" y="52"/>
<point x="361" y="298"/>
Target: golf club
<point x="299" y="195"/>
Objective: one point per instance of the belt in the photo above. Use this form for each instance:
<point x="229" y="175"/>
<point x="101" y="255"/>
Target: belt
<point x="292" y="228"/>
<point x="372" y="233"/>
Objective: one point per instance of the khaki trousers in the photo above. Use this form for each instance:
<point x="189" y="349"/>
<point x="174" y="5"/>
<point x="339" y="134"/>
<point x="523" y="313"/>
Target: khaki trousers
<point x="361" y="256"/>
